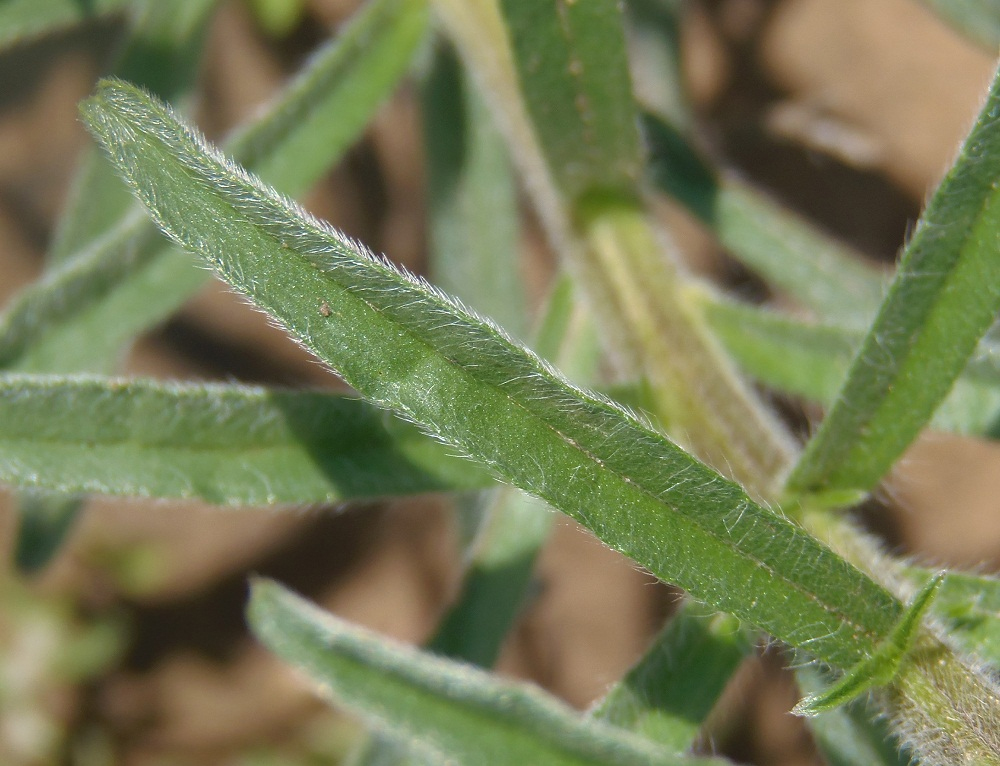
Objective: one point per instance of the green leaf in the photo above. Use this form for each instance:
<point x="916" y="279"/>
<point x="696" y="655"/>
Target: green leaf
<point x="446" y="710"/>
<point x="881" y="667"/>
<point x="474" y="228"/>
<point x="227" y="445"/>
<point x="496" y="584"/>
<point x="979" y="20"/>
<point x="666" y="696"/>
<point x="793" y="256"/>
<point x="851" y="735"/>
<point x="23" y="20"/>
<point x="162" y="54"/>
<point x="969" y="605"/>
<point x="945" y="296"/>
<point x="580" y="96"/>
<point x="79" y="317"/>
<point x="812" y="360"/>
<point x="409" y="348"/>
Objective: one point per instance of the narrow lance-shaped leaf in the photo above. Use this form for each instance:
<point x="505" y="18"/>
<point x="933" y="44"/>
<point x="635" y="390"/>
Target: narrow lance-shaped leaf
<point x="447" y="711"/>
<point x="668" y="694"/>
<point x="84" y="313"/>
<point x="227" y="445"/>
<point x="880" y="668"/>
<point x="162" y="54"/>
<point x="807" y="264"/>
<point x="411" y="349"/>
<point x="945" y="296"/>
<point x="979" y="20"/>
<point x="812" y="360"/>
<point x="581" y="98"/>
<point x="22" y="20"/>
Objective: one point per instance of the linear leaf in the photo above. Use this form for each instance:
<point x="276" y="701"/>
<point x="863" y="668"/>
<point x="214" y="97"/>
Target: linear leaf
<point x="409" y="348"/>
<point x="792" y="255"/>
<point x="979" y="20"/>
<point x="162" y="54"/>
<point x="23" y="20"/>
<point x="447" y="710"/>
<point x="851" y="735"/>
<point x="474" y="228"/>
<point x="880" y="668"/>
<point x="129" y="280"/>
<point x="227" y="445"/>
<point x="580" y="98"/>
<point x="501" y="562"/>
<point x="812" y="360"/>
<point x="945" y="296"/>
<point x="666" y="696"/>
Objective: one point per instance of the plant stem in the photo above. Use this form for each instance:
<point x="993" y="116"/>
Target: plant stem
<point x="637" y="289"/>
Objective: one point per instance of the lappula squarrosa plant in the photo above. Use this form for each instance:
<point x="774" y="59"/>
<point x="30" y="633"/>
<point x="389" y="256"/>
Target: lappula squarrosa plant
<point x="706" y="488"/>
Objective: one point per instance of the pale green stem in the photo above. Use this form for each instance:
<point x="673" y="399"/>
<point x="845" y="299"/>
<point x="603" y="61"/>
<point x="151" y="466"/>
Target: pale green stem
<point x="638" y="290"/>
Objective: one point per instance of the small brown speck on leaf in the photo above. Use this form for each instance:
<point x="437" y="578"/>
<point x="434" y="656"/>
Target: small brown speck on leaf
<point x="324" y="309"/>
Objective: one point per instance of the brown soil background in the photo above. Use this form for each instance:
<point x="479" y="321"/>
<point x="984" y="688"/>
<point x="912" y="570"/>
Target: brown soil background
<point x="846" y="110"/>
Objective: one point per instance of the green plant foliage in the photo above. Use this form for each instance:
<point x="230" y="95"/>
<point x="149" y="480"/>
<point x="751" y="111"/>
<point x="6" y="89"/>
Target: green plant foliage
<point x="224" y="444"/>
<point x="793" y="256"/>
<point x="574" y="55"/>
<point x="881" y="667"/>
<point x="927" y="328"/>
<point x="668" y="694"/>
<point x="409" y="348"/>
<point x="162" y="54"/>
<point x="80" y="317"/>
<point x="449" y="711"/>
<point x="812" y="360"/>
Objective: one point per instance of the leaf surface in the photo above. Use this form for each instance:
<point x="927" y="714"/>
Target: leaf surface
<point x="580" y="97"/>
<point x="449" y="711"/>
<point x="409" y="348"/>
<point x="226" y="445"/>
<point x="945" y="296"/>
<point x="667" y="695"/>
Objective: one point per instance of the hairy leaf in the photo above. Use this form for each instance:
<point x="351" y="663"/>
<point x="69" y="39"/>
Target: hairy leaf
<point x="409" y="348"/>
<point x="227" y="445"/>
<point x="449" y="711"/>
<point x="945" y="296"/>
